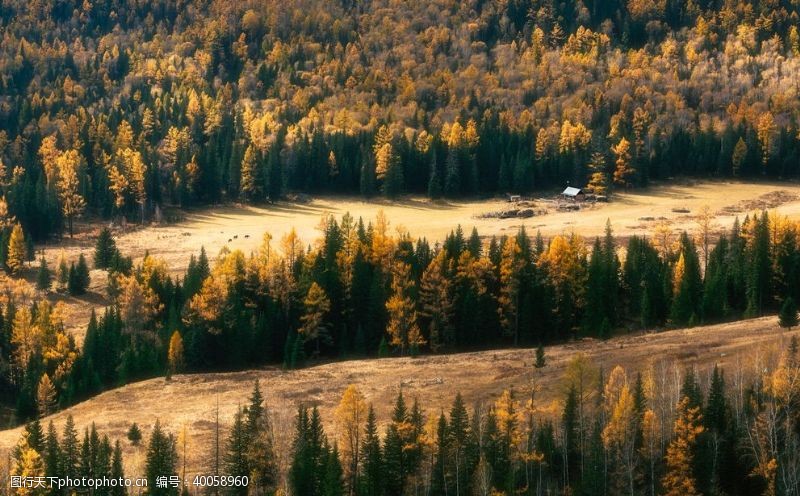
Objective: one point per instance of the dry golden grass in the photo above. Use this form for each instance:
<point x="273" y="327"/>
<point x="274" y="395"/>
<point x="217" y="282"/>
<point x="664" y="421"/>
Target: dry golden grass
<point x="190" y="400"/>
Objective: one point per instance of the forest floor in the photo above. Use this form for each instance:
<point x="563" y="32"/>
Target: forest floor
<point x="191" y="400"/>
<point x="241" y="227"/>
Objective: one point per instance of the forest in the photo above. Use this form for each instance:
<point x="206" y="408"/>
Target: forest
<point x="360" y="290"/>
<point x="655" y="432"/>
<point x="121" y="109"/>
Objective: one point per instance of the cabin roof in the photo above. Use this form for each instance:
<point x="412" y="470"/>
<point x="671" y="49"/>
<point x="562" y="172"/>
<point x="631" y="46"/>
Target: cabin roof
<point x="570" y="191"/>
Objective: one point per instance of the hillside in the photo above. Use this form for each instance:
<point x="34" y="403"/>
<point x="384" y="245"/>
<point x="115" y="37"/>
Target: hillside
<point x="481" y="376"/>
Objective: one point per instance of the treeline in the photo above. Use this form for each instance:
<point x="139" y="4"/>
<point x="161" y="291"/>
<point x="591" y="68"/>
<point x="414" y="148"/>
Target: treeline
<point x="658" y="432"/>
<point x="359" y="290"/>
<point x="220" y="102"/>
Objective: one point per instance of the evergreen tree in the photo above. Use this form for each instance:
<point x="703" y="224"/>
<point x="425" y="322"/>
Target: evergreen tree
<point x="452" y="178"/>
<point x="43" y="276"/>
<point x="788" y="314"/>
<point x="540" y="357"/>
<point x="105" y="249"/>
<point x="371" y="459"/>
<point x="162" y="459"/>
<point x="117" y="470"/>
<point x="236" y="460"/>
<point x="261" y="457"/>
<point x="434" y="182"/>
<point x="134" y="434"/>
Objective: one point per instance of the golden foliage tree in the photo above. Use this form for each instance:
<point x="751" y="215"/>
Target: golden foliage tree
<point x="45" y="396"/>
<point x="403" y="329"/>
<point x="679" y="480"/>
<point x="511" y="265"/>
<point x="175" y="353"/>
<point x="623" y="168"/>
<point x="351" y="416"/>
<point x="316" y="305"/>
<point x="437" y="302"/>
<point x="15" y="260"/>
<point x="72" y="203"/>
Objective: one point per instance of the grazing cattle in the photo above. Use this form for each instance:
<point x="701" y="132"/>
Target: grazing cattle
<point x="229" y="240"/>
<point x="246" y="235"/>
<point x="236" y="236"/>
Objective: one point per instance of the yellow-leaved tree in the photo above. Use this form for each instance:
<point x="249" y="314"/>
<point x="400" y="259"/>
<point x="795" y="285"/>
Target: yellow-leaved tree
<point x="678" y="479"/>
<point x="15" y="259"/>
<point x="175" y="354"/>
<point x="316" y="305"/>
<point x="403" y="329"/>
<point x="45" y="396"/>
<point x="351" y="416"/>
<point x="72" y="203"/>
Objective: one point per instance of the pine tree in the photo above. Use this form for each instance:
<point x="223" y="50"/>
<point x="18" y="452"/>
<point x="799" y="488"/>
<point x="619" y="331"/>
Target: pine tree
<point x="69" y="449"/>
<point x="52" y="452"/>
<point x="371" y="483"/>
<point x="788" y="314"/>
<point x="540" y="357"/>
<point x="162" y="459"/>
<point x="82" y="274"/>
<point x="117" y="470"/>
<point x="236" y="460"/>
<point x="395" y="449"/>
<point x="134" y="434"/>
<point x="333" y="484"/>
<point x="261" y="456"/>
<point x="434" y="182"/>
<point x="452" y="178"/>
<point x="460" y="443"/>
<point x="105" y="249"/>
<point x="15" y="259"/>
<point x="43" y="276"/>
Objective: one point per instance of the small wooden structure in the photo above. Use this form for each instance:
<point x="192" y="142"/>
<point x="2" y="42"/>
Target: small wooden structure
<point x="574" y="194"/>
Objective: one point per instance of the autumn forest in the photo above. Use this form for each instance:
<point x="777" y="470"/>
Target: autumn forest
<point x="118" y="115"/>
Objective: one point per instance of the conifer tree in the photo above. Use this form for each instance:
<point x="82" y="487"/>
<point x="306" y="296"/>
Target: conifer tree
<point x="117" y="470"/>
<point x="261" y="456"/>
<point x="679" y="479"/>
<point x="69" y="449"/>
<point x="105" y="249"/>
<point x="434" y="181"/>
<point x="371" y="483"/>
<point x="540" y="357"/>
<point x="52" y="452"/>
<point x="162" y="459"/>
<point x="788" y="314"/>
<point x="175" y="355"/>
<point x="395" y="449"/>
<point x="452" y="178"/>
<point x="236" y="459"/>
<point x="45" y="396"/>
<point x="43" y="276"/>
<point x="313" y="328"/>
<point x="403" y="329"/>
<point x="15" y="259"/>
<point x="134" y="434"/>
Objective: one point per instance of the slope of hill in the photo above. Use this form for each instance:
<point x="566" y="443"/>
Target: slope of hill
<point x="190" y="400"/>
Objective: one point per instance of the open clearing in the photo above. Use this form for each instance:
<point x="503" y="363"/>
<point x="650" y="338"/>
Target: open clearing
<point x="241" y="227"/>
<point x="189" y="400"/>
